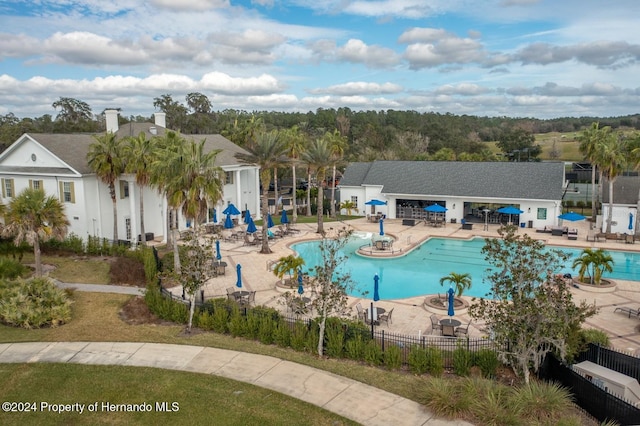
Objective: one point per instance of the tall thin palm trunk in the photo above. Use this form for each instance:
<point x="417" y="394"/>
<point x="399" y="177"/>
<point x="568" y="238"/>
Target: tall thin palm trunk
<point x="143" y="235"/>
<point x="295" y="194"/>
<point x="309" y="193"/>
<point x="320" y="209"/>
<point x="333" y="193"/>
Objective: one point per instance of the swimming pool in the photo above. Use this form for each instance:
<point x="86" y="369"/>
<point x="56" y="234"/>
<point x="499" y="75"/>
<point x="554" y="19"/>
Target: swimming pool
<point x="419" y="272"/>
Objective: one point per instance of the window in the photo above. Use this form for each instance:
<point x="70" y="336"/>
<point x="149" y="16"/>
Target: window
<point x="67" y="192"/>
<point x="542" y="213"/>
<point x="228" y="177"/>
<point x="8" y="189"/>
<point x="36" y="184"/>
<point x="354" y="200"/>
<point x="127" y="228"/>
<point x="124" y="189"/>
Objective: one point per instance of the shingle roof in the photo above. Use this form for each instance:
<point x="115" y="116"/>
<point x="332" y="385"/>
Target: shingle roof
<point x="625" y="190"/>
<point x="73" y="148"/>
<point x="542" y="180"/>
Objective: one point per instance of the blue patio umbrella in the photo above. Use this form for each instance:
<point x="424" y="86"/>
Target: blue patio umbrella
<point x="436" y="208"/>
<point x="509" y="210"/>
<point x="450" y="309"/>
<point x="239" y="281"/>
<point x="270" y="223"/>
<point x="228" y="223"/>
<point x="300" y="286"/>
<point x="381" y="227"/>
<point x="630" y="220"/>
<point x="375" y="202"/>
<point x="571" y="216"/>
<point x="231" y="209"/>
<point x="247" y="216"/>
<point x="218" y="255"/>
<point x="251" y="226"/>
<point x="284" y="218"/>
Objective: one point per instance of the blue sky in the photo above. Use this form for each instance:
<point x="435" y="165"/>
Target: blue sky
<point x="517" y="58"/>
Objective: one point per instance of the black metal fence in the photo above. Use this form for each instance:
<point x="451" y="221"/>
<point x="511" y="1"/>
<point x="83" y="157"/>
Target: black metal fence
<point x="595" y="400"/>
<point x="613" y="360"/>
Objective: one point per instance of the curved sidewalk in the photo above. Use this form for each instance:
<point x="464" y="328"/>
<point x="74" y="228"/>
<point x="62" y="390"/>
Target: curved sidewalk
<point x="349" y="398"/>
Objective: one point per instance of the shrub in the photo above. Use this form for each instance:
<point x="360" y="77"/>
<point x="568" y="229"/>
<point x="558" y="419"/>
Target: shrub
<point x="126" y="270"/>
<point x="335" y="339"/>
<point x="488" y="362"/>
<point x="461" y="361"/>
<point x="220" y="316"/>
<point x="435" y="361"/>
<point x="71" y="244"/>
<point x="299" y="336"/>
<point x="418" y="360"/>
<point x="495" y="409"/>
<point x="372" y="353"/>
<point x="393" y="357"/>
<point x="282" y="334"/>
<point x="237" y="323"/>
<point x="33" y="304"/>
<point x="354" y="348"/>
<point x="442" y="397"/>
<point x="11" y="269"/>
<point x="266" y="328"/>
<point x="542" y="403"/>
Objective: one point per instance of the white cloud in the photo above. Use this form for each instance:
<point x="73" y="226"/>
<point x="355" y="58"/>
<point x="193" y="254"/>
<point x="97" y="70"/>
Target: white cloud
<point x="359" y="88"/>
<point x="189" y="5"/>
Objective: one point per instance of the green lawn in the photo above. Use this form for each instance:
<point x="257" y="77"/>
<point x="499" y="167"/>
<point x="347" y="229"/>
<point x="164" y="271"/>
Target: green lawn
<point x="196" y="399"/>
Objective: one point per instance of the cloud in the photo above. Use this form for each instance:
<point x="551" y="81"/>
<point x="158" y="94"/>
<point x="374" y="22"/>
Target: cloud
<point x="189" y="5"/>
<point x="354" y="51"/>
<point x="359" y="88"/>
<point x="462" y="89"/>
<point x="602" y="54"/>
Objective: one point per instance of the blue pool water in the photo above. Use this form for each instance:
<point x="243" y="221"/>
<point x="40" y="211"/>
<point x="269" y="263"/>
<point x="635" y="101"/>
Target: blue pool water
<point x="419" y="272"/>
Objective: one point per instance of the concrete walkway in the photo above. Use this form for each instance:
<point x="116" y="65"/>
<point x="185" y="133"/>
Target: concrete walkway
<point x="101" y="288"/>
<point x="349" y="398"/>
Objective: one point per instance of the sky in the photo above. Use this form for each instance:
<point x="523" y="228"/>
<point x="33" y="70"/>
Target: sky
<point x="514" y="58"/>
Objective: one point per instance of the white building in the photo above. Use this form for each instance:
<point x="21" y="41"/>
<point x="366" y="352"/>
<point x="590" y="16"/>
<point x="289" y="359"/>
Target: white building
<point x="466" y="189"/>
<point x="625" y="205"/>
<point x="58" y="164"/>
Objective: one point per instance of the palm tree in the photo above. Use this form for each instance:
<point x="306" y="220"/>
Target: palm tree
<point x="612" y="158"/>
<point x="593" y="263"/>
<point x="319" y="157"/>
<point x="349" y="206"/>
<point x="105" y="159"/>
<point x="288" y="265"/>
<point x="461" y="282"/>
<point x="33" y="217"/>
<point x="296" y="143"/>
<point x="338" y="144"/>
<point x="139" y="154"/>
<point x="589" y="146"/>
<point x="268" y="151"/>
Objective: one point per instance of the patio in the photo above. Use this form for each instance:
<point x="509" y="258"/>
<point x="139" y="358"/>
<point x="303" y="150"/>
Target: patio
<point x="411" y="316"/>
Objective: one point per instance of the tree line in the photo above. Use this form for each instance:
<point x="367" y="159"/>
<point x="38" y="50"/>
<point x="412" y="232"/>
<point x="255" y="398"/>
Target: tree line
<point x="370" y="135"/>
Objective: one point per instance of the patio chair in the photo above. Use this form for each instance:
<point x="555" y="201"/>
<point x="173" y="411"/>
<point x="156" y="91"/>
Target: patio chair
<point x="230" y="295"/>
<point x="386" y="317"/>
<point x="629" y="311"/>
<point x="448" y="330"/>
<point x="463" y="329"/>
<point x="435" y="324"/>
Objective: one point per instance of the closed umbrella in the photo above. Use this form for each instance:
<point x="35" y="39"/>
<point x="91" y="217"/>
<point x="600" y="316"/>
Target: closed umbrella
<point x="270" y="223"/>
<point x="228" y="223"/>
<point x="300" y="286"/>
<point x="284" y="218"/>
<point x="381" y="227"/>
<point x="251" y="226"/>
<point x="450" y="309"/>
<point x="238" y="272"/>
<point x="218" y="255"/>
<point x="231" y="209"/>
<point x="215" y="216"/>
<point x="376" y="297"/>
<point x="630" y="221"/>
<point x="247" y="216"/>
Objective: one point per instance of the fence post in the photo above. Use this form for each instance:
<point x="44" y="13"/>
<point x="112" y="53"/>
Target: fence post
<point x="202" y="295"/>
<point x="382" y="340"/>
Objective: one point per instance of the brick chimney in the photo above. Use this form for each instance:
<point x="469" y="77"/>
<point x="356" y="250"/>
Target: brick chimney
<point x="160" y="119"/>
<point x="111" y="118"/>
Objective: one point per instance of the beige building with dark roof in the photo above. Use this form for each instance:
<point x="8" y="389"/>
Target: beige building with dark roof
<point x="58" y="164"/>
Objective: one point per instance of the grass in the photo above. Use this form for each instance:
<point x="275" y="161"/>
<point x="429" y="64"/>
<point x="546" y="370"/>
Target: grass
<point x="201" y="399"/>
<point x="73" y="269"/>
<point x="96" y="318"/>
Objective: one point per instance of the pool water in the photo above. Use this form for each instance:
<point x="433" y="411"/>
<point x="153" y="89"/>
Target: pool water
<point x="419" y="272"/>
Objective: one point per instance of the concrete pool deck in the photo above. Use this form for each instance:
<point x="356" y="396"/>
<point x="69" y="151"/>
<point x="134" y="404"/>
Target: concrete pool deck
<point x="410" y="317"/>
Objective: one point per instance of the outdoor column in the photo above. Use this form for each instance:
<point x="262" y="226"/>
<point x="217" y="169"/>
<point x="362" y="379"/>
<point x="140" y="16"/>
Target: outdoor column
<point x="239" y="202"/>
<point x="133" y="211"/>
<point x="258" y="193"/>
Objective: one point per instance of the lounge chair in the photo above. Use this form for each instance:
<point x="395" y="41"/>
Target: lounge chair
<point x="386" y="317"/>
<point x="572" y="234"/>
<point x="629" y="311"/>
